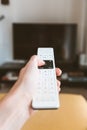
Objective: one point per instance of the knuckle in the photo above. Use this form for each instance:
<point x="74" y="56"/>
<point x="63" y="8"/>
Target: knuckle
<point x="34" y="57"/>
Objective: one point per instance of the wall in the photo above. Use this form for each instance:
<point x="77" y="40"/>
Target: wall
<point x="67" y="11"/>
<point x="85" y="30"/>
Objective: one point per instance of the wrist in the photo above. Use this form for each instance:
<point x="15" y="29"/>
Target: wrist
<point x="14" y="106"/>
<point x="13" y="113"/>
<point x="19" y="96"/>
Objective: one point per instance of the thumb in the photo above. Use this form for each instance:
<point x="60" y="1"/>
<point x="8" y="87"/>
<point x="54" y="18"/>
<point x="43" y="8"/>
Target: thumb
<point x="35" y="61"/>
<point x="40" y="62"/>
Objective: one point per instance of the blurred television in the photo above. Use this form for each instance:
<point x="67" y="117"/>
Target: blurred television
<point x="27" y="37"/>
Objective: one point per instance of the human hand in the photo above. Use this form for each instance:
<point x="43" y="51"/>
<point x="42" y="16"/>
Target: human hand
<point x="28" y="79"/>
<point x="58" y="73"/>
<point x="17" y="103"/>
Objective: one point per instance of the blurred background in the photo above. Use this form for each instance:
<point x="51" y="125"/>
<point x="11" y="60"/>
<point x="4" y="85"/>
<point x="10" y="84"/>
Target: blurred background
<point x="66" y="12"/>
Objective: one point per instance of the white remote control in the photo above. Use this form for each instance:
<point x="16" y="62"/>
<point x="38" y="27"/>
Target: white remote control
<point x="47" y="96"/>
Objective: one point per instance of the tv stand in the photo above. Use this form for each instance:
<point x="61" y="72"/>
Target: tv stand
<point x="71" y="76"/>
<point x="9" y="71"/>
<point x="74" y="78"/>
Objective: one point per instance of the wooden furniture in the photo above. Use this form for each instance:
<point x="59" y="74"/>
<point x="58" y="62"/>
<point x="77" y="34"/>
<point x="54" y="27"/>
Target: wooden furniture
<point x="72" y="79"/>
<point x="72" y="115"/>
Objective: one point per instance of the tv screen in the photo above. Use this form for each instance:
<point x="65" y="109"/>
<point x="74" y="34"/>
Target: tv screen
<point x="27" y="37"/>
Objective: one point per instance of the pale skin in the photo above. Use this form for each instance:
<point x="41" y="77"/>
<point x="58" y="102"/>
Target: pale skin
<point x="15" y="107"/>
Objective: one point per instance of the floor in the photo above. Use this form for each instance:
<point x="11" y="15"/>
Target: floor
<point x="64" y="89"/>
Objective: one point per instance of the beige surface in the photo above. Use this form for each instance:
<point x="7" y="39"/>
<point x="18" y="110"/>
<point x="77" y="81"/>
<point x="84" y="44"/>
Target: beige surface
<point x="72" y="115"/>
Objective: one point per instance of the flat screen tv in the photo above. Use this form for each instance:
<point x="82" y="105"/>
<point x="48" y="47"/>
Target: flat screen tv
<point x="27" y="37"/>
